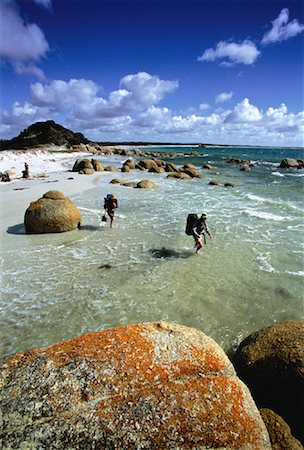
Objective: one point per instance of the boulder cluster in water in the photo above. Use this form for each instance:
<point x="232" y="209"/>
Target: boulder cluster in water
<point x="156" y="385"/>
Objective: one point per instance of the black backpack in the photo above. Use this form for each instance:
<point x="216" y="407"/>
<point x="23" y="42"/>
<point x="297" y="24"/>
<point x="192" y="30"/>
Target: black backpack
<point x="191" y="222"/>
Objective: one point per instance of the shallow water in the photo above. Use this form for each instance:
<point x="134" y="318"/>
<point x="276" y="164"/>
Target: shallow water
<point x="250" y="275"/>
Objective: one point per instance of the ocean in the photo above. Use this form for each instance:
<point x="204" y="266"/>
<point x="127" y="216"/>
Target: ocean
<point x="250" y="275"/>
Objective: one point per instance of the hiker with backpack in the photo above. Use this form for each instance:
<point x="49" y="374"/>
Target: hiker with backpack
<point x="198" y="228"/>
<point x="110" y="204"/>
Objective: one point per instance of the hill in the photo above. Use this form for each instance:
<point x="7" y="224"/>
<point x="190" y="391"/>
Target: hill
<point x="44" y="133"/>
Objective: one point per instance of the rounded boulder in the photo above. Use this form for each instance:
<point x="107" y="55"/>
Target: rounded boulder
<point x="271" y="363"/>
<point x="52" y="213"/>
<point x="146" y="184"/>
<point x="150" y="386"/>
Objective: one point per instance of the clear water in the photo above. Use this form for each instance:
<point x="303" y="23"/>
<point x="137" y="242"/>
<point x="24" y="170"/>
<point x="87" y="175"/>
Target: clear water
<point x="249" y="276"/>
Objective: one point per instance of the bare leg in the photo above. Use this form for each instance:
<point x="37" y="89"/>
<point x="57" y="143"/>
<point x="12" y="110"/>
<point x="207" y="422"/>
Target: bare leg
<point x="111" y="222"/>
<point x="198" y="246"/>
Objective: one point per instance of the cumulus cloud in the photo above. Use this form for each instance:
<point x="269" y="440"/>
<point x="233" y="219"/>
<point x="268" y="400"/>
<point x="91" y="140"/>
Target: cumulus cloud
<point x="232" y="53"/>
<point x="60" y="95"/>
<point x="244" y="112"/>
<point x="223" y="97"/>
<point x="282" y="29"/>
<point x="21" y="43"/>
<point x="130" y="113"/>
<point x="138" y="91"/>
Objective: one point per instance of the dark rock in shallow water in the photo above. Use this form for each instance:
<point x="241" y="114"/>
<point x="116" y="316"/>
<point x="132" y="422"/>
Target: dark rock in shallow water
<point x="150" y="386"/>
<point x="291" y="163"/>
<point x="271" y="363"/>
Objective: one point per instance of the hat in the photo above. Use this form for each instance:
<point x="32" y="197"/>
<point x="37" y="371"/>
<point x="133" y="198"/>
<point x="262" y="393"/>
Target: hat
<point x="204" y="216"/>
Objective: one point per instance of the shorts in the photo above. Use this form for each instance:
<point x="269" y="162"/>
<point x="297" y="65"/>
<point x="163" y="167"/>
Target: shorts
<point x="111" y="213"/>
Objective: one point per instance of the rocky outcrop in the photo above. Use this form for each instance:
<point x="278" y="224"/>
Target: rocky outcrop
<point x="146" y="184"/>
<point x="111" y="169"/>
<point x="179" y="175"/>
<point x="271" y="362"/>
<point x="53" y="213"/>
<point x="98" y="167"/>
<point x="290" y="163"/>
<point x="148" y="164"/>
<point x="81" y="164"/>
<point x="279" y="432"/>
<point x="149" y="386"/>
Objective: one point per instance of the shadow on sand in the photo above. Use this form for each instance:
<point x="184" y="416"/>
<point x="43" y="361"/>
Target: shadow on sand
<point x="20" y="229"/>
<point x="165" y="253"/>
<point x="17" y="229"/>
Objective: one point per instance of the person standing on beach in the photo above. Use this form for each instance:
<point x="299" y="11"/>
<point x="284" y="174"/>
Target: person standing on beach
<point x="199" y="230"/>
<point x="110" y="204"/>
<point x="26" y="171"/>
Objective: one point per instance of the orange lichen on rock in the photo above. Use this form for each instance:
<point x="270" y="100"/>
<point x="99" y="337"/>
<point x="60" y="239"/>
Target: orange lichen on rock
<point x="153" y="385"/>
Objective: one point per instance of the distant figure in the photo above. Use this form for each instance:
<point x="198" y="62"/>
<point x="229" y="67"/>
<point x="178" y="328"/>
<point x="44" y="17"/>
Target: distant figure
<point x="200" y="229"/>
<point x="26" y="171"/>
<point x="5" y="177"/>
<point x="110" y="204"/>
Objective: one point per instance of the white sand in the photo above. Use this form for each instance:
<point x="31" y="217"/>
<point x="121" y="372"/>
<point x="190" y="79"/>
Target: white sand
<point x="15" y="196"/>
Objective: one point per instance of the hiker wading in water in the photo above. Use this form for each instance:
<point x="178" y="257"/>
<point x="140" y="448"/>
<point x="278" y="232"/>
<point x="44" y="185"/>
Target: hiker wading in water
<point x="199" y="230"/>
<point x="110" y="204"/>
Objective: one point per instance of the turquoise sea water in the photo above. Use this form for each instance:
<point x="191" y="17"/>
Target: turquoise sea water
<point x="250" y="275"/>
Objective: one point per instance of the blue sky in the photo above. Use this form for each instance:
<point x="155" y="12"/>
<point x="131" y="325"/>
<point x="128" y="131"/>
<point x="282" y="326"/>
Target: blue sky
<point x="212" y="71"/>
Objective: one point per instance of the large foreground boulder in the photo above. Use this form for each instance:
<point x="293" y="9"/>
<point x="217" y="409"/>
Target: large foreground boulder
<point x="148" y="386"/>
<point x="271" y="362"/>
<point x="52" y="213"/>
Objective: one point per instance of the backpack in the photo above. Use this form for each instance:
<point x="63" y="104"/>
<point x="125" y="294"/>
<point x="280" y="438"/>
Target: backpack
<point x="110" y="202"/>
<point x="191" y="222"/>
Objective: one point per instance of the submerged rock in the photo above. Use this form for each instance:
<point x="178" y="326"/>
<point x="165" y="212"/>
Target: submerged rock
<point x="52" y="213"/>
<point x="271" y="362"/>
<point x="149" y="386"/>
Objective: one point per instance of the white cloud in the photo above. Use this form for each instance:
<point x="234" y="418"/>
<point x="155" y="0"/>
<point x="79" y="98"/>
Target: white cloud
<point x="244" y="112"/>
<point x="232" y="53"/>
<point x="282" y="29"/>
<point x="128" y="114"/>
<point x="145" y="89"/>
<point x="223" y="97"/>
<point x="20" y="43"/>
<point x="204" y="106"/>
<point x="60" y="95"/>
<point x="139" y="91"/>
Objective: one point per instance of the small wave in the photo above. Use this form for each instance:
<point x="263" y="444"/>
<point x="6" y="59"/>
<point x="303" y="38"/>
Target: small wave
<point x="278" y="174"/>
<point x="295" y="175"/>
<point x="255" y="198"/>
<point x="264" y="215"/>
<point x="300" y="273"/>
<point x="265" y="264"/>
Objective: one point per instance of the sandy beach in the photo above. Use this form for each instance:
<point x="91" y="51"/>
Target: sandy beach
<point x="48" y="171"/>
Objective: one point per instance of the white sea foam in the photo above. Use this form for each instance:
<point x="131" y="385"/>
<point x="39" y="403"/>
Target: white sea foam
<point x="278" y="174"/>
<point x="264" y="215"/>
<point x="256" y="198"/>
<point x="300" y="273"/>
